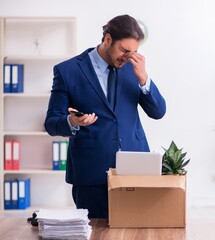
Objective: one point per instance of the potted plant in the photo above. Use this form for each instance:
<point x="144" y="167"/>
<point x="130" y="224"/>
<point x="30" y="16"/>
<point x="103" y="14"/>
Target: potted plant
<point x="173" y="161"/>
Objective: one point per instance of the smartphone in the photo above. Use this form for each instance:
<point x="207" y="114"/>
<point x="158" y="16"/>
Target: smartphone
<point x="78" y="114"/>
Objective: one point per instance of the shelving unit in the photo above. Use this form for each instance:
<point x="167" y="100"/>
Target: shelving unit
<point x="38" y="44"/>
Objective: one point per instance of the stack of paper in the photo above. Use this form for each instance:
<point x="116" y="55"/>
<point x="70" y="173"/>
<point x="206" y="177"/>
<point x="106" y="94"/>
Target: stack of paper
<point x="71" y="224"/>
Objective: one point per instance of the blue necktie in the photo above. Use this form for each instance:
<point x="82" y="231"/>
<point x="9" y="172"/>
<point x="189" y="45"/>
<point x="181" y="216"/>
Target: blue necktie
<point x="111" y="93"/>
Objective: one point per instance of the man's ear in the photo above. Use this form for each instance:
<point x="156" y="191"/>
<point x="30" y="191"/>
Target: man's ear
<point x="108" y="39"/>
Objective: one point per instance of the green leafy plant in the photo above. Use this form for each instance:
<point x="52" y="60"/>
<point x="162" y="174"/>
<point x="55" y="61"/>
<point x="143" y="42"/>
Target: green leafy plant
<point x="173" y="160"/>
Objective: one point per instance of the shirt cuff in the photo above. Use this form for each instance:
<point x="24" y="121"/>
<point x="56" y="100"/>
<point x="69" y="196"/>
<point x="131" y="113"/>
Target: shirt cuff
<point x="73" y="128"/>
<point x="146" y="88"/>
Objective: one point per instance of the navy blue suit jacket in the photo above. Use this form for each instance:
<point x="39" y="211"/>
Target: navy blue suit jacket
<point x="92" y="150"/>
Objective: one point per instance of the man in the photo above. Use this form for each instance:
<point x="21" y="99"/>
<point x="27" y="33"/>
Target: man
<point x="81" y="84"/>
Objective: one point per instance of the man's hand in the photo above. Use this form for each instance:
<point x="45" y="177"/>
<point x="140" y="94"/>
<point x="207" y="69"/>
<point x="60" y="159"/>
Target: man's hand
<point x="138" y="62"/>
<point x="84" y="120"/>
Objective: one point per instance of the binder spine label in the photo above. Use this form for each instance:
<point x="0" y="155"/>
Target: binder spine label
<point x="7" y="78"/>
<point x="56" y="155"/>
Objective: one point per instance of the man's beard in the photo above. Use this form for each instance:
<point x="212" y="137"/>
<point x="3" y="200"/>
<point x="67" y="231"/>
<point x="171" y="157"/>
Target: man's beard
<point x="115" y="63"/>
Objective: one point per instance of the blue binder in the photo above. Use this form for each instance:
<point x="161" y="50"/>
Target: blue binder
<point x="7" y="195"/>
<point x="56" y="155"/>
<point x="17" y="77"/>
<point x="14" y="194"/>
<point x="24" y="197"/>
<point x="7" y="78"/>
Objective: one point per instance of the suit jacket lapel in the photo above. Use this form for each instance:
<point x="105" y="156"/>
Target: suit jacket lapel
<point x="89" y="72"/>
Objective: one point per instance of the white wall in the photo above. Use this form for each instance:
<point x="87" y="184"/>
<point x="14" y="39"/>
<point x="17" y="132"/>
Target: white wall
<point x="180" y="55"/>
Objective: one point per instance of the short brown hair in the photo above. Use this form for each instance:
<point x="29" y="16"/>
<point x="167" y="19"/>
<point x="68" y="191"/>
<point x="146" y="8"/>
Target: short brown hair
<point x="123" y="26"/>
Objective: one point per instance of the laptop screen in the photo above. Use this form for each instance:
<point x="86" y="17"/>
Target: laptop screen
<point x="138" y="163"/>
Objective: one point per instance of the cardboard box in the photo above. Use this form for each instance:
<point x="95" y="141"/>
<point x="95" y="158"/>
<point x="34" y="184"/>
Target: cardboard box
<point x="146" y="201"/>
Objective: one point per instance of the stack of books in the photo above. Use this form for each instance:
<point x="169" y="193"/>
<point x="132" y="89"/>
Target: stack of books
<point x="64" y="224"/>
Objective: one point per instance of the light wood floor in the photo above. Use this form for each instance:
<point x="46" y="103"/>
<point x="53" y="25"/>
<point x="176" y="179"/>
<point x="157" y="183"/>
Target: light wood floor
<point x="200" y="226"/>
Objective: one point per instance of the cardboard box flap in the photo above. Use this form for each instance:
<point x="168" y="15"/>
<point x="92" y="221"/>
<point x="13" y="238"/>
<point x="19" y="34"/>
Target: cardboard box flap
<point x="164" y="181"/>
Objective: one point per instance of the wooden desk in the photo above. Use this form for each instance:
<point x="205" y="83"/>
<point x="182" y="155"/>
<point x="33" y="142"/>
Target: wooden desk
<point x="19" y="229"/>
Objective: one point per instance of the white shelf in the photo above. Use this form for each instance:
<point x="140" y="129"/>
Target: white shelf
<point x="17" y="58"/>
<point x="34" y="171"/>
<point x="26" y="95"/>
<point x="33" y="133"/>
<point x="38" y="43"/>
<point x="39" y="37"/>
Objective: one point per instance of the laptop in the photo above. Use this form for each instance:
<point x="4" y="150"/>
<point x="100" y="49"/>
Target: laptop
<point x="138" y="163"/>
